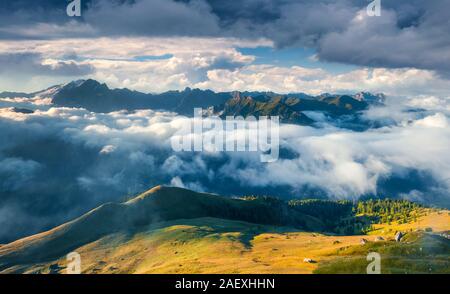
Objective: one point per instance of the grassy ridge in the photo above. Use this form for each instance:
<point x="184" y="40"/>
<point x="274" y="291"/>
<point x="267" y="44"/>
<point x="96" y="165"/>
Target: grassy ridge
<point x="157" y="205"/>
<point x="172" y="230"/>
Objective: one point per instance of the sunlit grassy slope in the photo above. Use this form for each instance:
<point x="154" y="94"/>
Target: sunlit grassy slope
<point x="418" y="253"/>
<point x="120" y="238"/>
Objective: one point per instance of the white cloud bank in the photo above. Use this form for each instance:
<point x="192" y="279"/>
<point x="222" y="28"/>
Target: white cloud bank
<point x="161" y="64"/>
<point x="343" y="163"/>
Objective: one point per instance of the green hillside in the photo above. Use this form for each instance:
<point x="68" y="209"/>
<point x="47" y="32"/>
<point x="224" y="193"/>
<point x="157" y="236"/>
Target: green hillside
<point x="248" y="106"/>
<point x="156" y="205"/>
<point x="174" y="230"/>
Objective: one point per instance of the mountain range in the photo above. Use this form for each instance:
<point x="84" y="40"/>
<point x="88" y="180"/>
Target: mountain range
<point x="98" y="97"/>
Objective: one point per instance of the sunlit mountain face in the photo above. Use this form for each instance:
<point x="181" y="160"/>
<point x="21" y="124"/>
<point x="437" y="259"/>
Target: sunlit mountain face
<point x="90" y="104"/>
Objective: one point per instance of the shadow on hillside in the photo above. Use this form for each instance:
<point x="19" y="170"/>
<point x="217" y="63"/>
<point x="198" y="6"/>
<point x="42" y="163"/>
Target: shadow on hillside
<point x="216" y="228"/>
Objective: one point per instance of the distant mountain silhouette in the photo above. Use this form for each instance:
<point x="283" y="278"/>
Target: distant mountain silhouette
<point x="98" y="97"/>
<point x="15" y="94"/>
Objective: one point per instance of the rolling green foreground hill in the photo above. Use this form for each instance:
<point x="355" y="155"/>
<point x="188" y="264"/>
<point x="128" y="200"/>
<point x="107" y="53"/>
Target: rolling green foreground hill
<point x="173" y="230"/>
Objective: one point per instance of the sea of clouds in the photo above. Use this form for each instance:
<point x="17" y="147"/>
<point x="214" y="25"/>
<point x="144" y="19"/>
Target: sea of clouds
<point x="58" y="163"/>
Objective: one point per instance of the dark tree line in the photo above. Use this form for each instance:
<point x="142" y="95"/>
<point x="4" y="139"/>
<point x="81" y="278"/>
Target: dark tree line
<point x="328" y="211"/>
<point x="347" y="217"/>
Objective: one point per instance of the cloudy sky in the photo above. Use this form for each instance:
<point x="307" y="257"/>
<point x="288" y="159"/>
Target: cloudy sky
<point x="279" y="45"/>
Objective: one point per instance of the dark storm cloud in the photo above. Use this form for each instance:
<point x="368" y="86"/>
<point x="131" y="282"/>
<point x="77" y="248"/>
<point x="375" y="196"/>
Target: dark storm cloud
<point x="155" y="18"/>
<point x="407" y="34"/>
<point x="48" y="19"/>
<point x="286" y="22"/>
<point x="31" y="63"/>
<point x="410" y="35"/>
<point x="27" y="13"/>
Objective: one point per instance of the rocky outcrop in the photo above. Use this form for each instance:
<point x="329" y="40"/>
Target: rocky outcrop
<point x="398" y="236"/>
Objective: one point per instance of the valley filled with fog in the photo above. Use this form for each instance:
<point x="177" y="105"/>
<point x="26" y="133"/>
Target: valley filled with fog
<point x="59" y="162"/>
